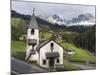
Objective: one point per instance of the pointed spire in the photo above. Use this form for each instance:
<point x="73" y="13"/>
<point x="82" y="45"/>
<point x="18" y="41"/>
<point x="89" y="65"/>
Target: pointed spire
<point x="33" y="10"/>
<point x="33" y="22"/>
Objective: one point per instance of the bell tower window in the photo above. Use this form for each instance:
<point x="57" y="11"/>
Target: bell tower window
<point x="32" y="31"/>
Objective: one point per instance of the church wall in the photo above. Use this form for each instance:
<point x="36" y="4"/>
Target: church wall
<point x="47" y="48"/>
<point x="29" y="47"/>
<point x="34" y="57"/>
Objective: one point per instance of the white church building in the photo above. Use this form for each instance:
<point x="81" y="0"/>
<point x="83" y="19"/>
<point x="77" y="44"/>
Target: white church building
<point x="48" y="54"/>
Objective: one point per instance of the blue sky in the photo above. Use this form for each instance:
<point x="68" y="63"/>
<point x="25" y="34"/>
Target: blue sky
<point x="66" y="11"/>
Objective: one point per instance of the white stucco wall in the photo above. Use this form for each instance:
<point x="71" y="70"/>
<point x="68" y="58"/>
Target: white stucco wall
<point x="35" y="36"/>
<point x="28" y="50"/>
<point x="29" y="47"/>
<point x="47" y="48"/>
<point x="34" y="57"/>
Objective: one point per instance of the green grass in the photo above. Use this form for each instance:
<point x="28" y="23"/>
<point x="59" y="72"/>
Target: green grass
<point x="18" y="49"/>
<point x="18" y="46"/>
<point x="68" y="66"/>
<point x="81" y="55"/>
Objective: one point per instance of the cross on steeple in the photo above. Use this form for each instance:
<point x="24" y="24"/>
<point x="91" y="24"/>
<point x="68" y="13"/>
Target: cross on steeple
<point x="33" y="22"/>
<point x="33" y="10"/>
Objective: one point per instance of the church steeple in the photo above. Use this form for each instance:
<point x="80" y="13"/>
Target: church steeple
<point x="33" y="22"/>
<point x="32" y="38"/>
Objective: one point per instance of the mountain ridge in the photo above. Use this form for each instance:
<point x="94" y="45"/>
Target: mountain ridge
<point x="45" y="25"/>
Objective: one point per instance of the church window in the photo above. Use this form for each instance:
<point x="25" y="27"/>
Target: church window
<point x="52" y="46"/>
<point x="58" y="60"/>
<point x="44" y="62"/>
<point x="32" y="31"/>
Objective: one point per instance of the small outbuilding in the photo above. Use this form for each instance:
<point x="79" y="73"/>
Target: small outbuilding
<point x="70" y="51"/>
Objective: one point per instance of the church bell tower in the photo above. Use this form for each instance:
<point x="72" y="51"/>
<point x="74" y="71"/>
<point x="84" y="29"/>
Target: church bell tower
<point x="32" y="39"/>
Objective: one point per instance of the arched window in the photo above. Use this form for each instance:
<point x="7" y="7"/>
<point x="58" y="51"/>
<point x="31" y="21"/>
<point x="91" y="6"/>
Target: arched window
<point x="32" y="31"/>
<point x="52" y="46"/>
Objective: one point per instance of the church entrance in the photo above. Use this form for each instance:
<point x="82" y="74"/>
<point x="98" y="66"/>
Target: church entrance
<point x="51" y="56"/>
<point x="51" y="63"/>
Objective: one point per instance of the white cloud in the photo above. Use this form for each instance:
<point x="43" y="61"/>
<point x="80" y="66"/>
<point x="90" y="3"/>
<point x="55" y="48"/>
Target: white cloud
<point x="67" y="11"/>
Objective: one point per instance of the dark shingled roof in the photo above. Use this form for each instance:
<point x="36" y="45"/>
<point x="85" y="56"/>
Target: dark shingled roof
<point x="33" y="23"/>
<point x="32" y="41"/>
<point x="52" y="55"/>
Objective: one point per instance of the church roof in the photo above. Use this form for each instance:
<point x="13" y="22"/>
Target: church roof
<point x="32" y="41"/>
<point x="52" y="55"/>
<point x="33" y="22"/>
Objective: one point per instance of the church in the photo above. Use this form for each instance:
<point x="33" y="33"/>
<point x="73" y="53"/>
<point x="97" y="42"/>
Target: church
<point x="48" y="54"/>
